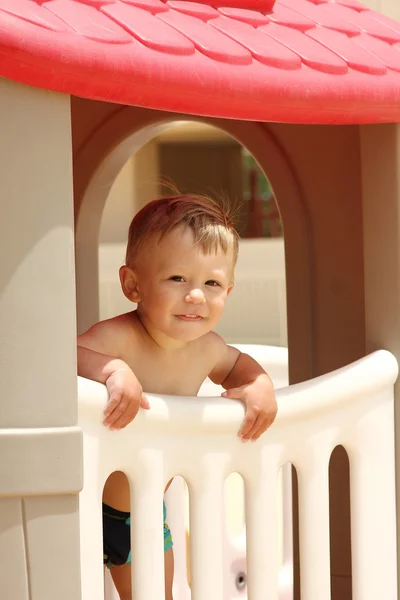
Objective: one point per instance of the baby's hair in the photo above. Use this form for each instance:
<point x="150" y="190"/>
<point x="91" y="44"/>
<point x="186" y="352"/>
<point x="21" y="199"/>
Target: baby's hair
<point x="210" y="223"/>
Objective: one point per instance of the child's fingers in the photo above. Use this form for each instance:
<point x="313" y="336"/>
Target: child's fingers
<point x="118" y="409"/>
<point x="123" y="420"/>
<point x="249" y="420"/>
<point x="253" y="429"/>
<point x="112" y="417"/>
<point x="112" y="405"/>
<point x="144" y="403"/>
<point x="120" y="412"/>
<point x="233" y="394"/>
<point x="260" y="427"/>
<point x="130" y="413"/>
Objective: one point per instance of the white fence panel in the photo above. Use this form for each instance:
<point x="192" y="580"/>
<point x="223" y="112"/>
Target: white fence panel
<point x="197" y="438"/>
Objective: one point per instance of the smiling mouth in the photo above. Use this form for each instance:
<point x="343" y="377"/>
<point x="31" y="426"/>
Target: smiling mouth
<point x="189" y="317"/>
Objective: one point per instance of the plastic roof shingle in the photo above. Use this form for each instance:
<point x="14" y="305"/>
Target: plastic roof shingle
<point x="304" y="61"/>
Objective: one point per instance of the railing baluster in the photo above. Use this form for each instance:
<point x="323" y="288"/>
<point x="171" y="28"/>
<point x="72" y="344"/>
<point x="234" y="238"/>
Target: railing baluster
<point x="373" y="510"/>
<point x="206" y="527"/>
<point x="262" y="533"/>
<point x="91" y="523"/>
<point x="147" y="527"/>
<point x="313" y="481"/>
<point x="287" y="521"/>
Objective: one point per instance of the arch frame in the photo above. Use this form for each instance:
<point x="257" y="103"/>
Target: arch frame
<point x="120" y="134"/>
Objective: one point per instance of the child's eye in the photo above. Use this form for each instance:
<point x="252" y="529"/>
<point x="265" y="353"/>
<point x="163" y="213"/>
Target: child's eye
<point x="213" y="283"/>
<point x="177" y="278"/>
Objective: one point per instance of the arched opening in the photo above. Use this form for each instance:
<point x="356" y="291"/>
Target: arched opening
<point x="107" y="147"/>
<point x="200" y="158"/>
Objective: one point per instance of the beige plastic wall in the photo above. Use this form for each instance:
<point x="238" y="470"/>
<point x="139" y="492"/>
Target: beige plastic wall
<point x="326" y="164"/>
<point x="136" y="184"/>
<point x="119" y="206"/>
<point x="204" y="167"/>
<point x="40" y="444"/>
<point x="187" y="154"/>
<point x="380" y="146"/>
<point x="391" y="8"/>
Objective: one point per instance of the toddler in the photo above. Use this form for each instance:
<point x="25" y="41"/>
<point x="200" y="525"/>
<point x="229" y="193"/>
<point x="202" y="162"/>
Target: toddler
<point x="179" y="271"/>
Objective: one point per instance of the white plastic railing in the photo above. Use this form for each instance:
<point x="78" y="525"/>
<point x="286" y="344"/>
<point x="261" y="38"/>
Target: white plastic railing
<point x="274" y="360"/>
<point x="196" y="438"/>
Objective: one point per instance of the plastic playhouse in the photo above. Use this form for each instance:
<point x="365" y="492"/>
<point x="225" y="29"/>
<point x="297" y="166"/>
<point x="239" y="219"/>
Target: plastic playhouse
<point x="312" y="89"/>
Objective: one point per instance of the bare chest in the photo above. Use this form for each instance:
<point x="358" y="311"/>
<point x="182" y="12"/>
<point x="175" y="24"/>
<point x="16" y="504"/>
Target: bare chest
<point x="180" y="374"/>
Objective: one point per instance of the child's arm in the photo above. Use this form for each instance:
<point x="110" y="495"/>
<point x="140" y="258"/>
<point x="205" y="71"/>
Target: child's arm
<point x="245" y="380"/>
<point x="125" y="391"/>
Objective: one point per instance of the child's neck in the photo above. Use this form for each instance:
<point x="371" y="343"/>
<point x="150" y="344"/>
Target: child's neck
<point x="158" y="338"/>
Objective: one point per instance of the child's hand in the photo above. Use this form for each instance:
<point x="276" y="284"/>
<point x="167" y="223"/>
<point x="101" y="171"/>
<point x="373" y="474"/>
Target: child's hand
<point x="125" y="398"/>
<point x="261" y="406"/>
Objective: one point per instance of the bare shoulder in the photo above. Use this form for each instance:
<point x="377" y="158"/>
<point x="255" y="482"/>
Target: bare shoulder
<point x="222" y="356"/>
<point x="213" y="342"/>
<point x="109" y="336"/>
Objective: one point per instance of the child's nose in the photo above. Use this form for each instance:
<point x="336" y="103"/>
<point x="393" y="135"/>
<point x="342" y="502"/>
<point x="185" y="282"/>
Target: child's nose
<point x="195" y="296"/>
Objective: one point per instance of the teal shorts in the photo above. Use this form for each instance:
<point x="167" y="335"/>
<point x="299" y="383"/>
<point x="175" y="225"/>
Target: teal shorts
<point x="117" y="536"/>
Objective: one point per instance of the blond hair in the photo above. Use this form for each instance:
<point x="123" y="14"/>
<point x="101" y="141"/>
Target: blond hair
<point x="211" y="226"/>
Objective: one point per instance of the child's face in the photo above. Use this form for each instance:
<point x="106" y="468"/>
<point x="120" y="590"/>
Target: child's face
<point x="181" y="291"/>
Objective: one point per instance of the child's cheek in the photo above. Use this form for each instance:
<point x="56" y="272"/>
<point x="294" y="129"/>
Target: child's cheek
<point x="220" y="303"/>
<point x="165" y="294"/>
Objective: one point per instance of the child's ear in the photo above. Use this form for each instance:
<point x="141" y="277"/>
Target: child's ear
<point x="230" y="287"/>
<point x="129" y="284"/>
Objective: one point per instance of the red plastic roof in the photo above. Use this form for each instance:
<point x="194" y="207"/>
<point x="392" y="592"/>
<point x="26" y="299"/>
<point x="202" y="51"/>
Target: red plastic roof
<point x="304" y="61"/>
